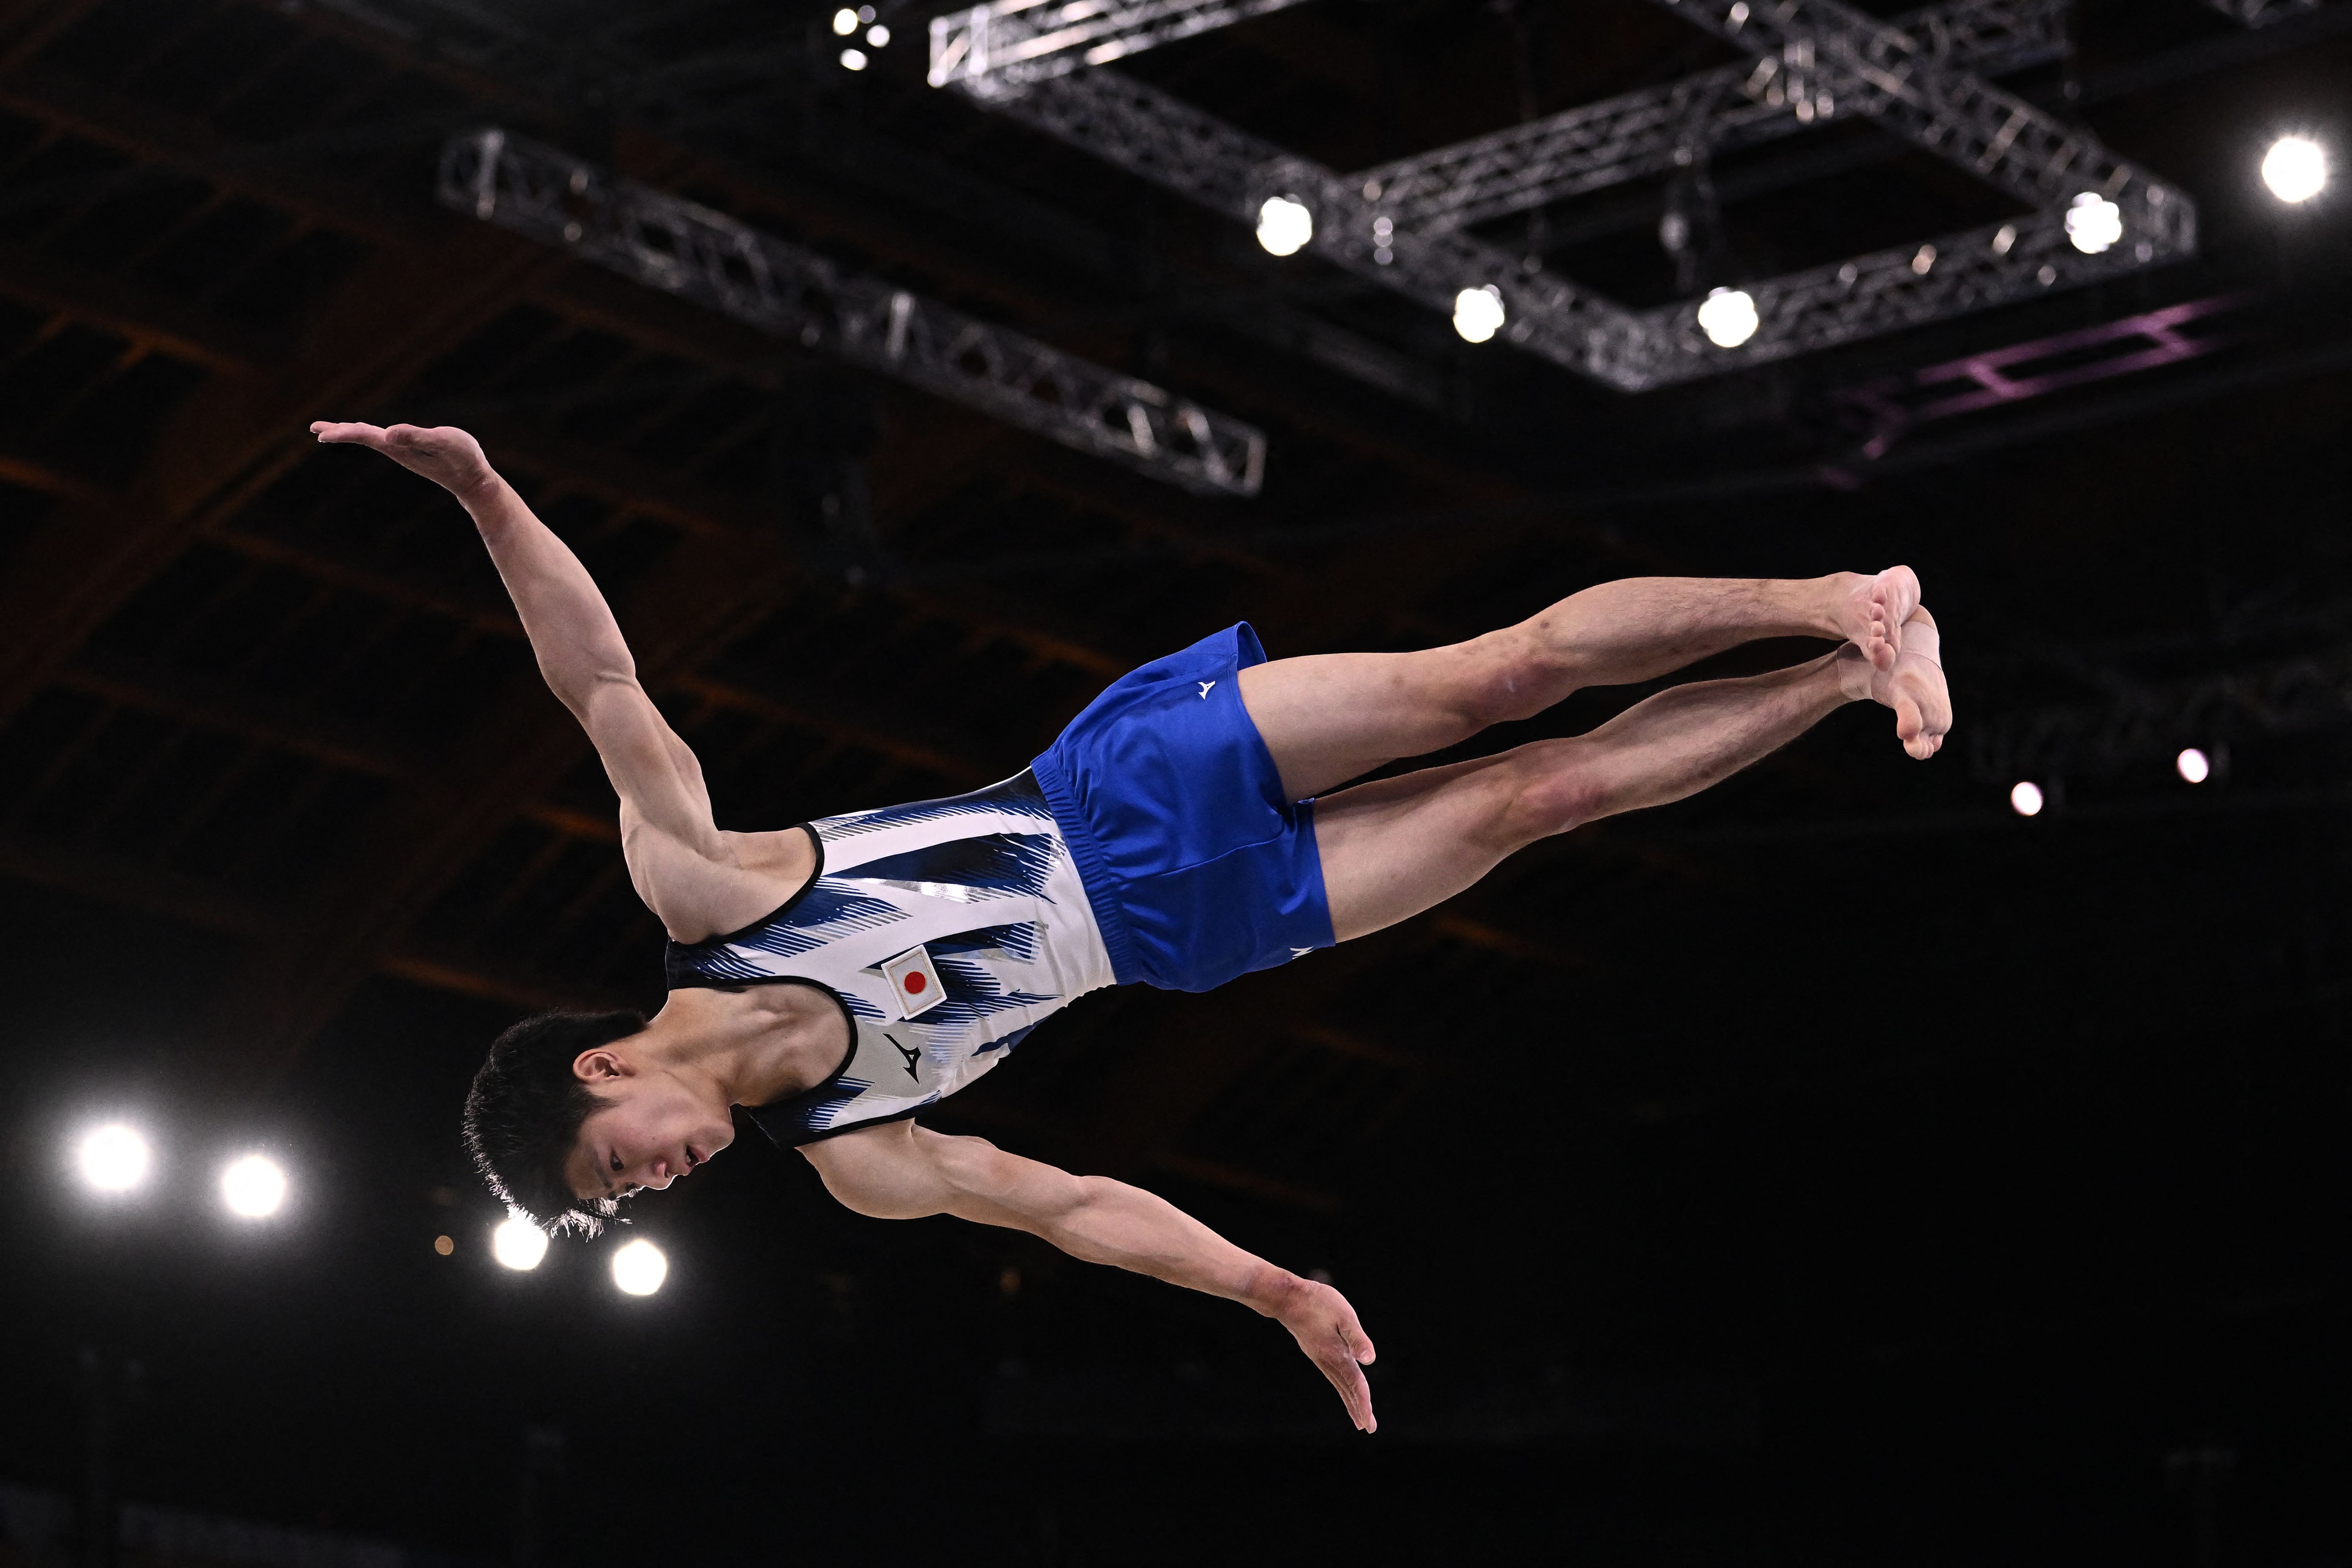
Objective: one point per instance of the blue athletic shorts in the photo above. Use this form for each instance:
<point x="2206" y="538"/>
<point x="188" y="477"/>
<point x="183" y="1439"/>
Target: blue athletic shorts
<point x="1198" y="867"/>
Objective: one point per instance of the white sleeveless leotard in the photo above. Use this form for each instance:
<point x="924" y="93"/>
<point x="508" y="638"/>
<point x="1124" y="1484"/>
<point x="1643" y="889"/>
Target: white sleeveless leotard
<point x="984" y="883"/>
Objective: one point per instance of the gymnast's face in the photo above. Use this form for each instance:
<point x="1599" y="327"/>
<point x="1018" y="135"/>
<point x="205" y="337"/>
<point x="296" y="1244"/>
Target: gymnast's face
<point x="650" y="1128"/>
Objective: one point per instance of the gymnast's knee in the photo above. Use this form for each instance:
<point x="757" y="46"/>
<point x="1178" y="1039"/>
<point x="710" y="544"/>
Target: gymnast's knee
<point x="1555" y="789"/>
<point x="1503" y="677"/>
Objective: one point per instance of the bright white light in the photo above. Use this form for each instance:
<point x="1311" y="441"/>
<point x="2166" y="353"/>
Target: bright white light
<point x="254" y="1187"/>
<point x="113" y="1158"/>
<point x="2093" y="223"/>
<point x="640" y="1269"/>
<point x="844" y="22"/>
<point x="878" y="36"/>
<point x="853" y="59"/>
<point x="2194" y="766"/>
<point x="1728" y="318"/>
<point x="1478" y="313"/>
<point x="1283" y="226"/>
<point x="518" y="1243"/>
<point x="2026" y="798"/>
<point x="2296" y="169"/>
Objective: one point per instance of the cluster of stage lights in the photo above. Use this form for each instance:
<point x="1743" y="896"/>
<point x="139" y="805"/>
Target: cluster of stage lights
<point x="638" y="1266"/>
<point x="114" y="1159"/>
<point x="2294" y="169"/>
<point x="847" y="21"/>
<point x="2026" y="797"/>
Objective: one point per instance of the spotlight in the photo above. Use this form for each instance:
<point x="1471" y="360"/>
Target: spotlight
<point x="112" y="1158"/>
<point x="2194" y="766"/>
<point x="2094" y="224"/>
<point x="878" y="36"/>
<point x="640" y="1269"/>
<point x="253" y="1187"/>
<point x="518" y="1243"/>
<point x="844" y="22"/>
<point x="1283" y="226"/>
<point x="2026" y="798"/>
<point x="853" y="59"/>
<point x="1728" y="318"/>
<point x="1478" y="313"/>
<point x="2296" y="169"/>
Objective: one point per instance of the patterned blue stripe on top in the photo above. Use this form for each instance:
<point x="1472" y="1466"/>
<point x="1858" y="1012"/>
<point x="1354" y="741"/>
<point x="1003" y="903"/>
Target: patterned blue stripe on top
<point x="985" y="882"/>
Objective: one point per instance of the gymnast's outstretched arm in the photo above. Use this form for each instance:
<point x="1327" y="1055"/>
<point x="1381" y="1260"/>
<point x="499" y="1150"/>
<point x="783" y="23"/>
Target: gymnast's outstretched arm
<point x="683" y="867"/>
<point x="900" y="1170"/>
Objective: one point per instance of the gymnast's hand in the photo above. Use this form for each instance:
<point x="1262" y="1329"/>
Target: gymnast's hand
<point x="445" y="454"/>
<point x="1324" y="1326"/>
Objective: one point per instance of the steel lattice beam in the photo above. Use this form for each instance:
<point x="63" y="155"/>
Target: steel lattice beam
<point x="692" y="251"/>
<point x="1658" y="129"/>
<point x="2151" y="724"/>
<point x="1818" y="51"/>
<point x="1011" y="44"/>
<point x="2263" y="13"/>
<point x="1163" y="139"/>
<point x="1401" y="225"/>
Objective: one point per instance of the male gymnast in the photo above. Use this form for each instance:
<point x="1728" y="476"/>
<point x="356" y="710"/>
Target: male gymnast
<point x="839" y="977"/>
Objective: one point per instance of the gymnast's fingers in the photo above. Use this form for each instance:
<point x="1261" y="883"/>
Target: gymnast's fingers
<point x="1355" y="1392"/>
<point x="1335" y="1358"/>
<point x="333" y="433"/>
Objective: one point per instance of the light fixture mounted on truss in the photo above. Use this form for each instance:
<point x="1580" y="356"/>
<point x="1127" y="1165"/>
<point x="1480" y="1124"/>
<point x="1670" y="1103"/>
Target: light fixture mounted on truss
<point x="1404" y="224"/>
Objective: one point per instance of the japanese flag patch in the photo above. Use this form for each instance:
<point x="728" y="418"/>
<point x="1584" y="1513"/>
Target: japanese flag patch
<point x="915" y="981"/>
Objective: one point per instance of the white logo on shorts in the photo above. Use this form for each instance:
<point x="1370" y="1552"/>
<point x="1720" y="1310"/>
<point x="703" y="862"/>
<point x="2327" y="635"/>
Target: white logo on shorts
<point x="1204" y="689"/>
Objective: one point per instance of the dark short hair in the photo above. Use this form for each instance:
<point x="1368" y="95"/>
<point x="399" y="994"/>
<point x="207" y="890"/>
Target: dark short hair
<point x="524" y="1111"/>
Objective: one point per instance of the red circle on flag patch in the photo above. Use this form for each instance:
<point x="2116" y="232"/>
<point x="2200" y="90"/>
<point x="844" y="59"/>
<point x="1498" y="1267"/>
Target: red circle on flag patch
<point x="916" y="982"/>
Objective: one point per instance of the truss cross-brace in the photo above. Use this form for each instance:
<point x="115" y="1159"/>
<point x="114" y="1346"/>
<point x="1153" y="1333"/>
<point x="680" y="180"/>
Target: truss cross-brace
<point x="1405" y="225"/>
<point x="2263" y="13"/>
<point x="692" y="251"/>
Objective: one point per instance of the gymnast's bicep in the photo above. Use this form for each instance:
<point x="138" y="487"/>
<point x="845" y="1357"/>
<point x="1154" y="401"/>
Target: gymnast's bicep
<point x="884" y="1173"/>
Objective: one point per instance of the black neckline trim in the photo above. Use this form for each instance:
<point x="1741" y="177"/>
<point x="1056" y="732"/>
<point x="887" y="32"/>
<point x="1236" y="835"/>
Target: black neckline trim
<point x="816" y="841"/>
<point x="820" y="1135"/>
<point x="848" y="1057"/>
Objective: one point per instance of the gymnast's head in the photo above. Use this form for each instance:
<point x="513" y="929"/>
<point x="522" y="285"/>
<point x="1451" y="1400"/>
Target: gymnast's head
<point x="574" y="1112"/>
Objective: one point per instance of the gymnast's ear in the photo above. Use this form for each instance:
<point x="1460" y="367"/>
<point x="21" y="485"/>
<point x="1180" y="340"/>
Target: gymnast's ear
<point x="603" y="1065"/>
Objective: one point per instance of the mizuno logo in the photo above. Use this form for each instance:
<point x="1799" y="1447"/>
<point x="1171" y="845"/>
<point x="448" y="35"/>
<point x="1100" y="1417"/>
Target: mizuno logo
<point x="912" y="1056"/>
<point x="1204" y="689"/>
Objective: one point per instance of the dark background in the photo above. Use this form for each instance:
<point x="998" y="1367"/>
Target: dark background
<point x="1836" y="1167"/>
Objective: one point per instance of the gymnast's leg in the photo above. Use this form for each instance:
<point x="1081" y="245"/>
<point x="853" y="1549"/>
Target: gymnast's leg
<point x="1329" y="718"/>
<point x="1396" y="846"/>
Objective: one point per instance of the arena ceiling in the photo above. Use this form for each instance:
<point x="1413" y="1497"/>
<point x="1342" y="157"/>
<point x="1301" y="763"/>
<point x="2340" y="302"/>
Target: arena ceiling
<point x="282" y="780"/>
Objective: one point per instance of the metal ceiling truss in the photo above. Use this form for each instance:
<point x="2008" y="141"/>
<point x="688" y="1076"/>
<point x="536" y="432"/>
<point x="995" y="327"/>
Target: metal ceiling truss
<point x="2145" y="724"/>
<point x="682" y="248"/>
<point x="2263" y="13"/>
<point x="1404" y="224"/>
<point x="1658" y="130"/>
<point x="1014" y="44"/>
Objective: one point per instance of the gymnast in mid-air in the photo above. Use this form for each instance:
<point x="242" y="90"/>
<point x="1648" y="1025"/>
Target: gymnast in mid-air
<point x="839" y="977"/>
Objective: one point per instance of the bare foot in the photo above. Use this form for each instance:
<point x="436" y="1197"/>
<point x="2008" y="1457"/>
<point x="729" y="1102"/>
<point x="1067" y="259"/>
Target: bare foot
<point x="1923" y="708"/>
<point x="1914" y="688"/>
<point x="1873" y="611"/>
